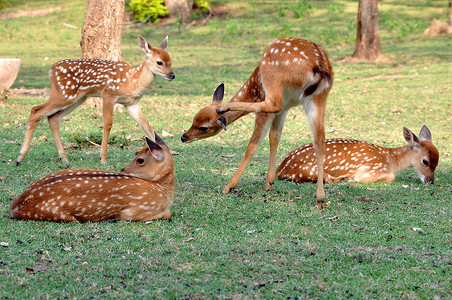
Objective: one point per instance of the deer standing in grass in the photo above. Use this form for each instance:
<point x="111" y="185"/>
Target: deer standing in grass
<point x="74" y="80"/>
<point x="291" y="72"/>
<point x="142" y="191"/>
<point x="363" y="162"/>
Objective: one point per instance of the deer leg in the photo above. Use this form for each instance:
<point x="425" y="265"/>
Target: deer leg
<point x="54" y="124"/>
<point x="261" y="125"/>
<point x="272" y="103"/>
<point x="107" y="107"/>
<point x="54" y="121"/>
<point x="274" y="136"/>
<point x="316" y="115"/>
<point x="37" y="113"/>
<point x="135" y="111"/>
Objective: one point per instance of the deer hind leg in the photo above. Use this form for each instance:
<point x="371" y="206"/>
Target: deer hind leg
<point x="274" y="136"/>
<point x="135" y="111"/>
<point x="38" y="112"/>
<point x="272" y="103"/>
<point x="107" y="114"/>
<point x="316" y="115"/>
<point x="54" y="124"/>
<point x="260" y="129"/>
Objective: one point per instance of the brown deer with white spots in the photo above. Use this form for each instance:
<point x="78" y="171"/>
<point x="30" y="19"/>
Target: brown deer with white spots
<point x="352" y="160"/>
<point x="74" y="80"/>
<point x="291" y="72"/>
<point x="142" y="191"/>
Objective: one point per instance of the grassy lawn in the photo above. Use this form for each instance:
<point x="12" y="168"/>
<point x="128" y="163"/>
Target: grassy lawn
<point x="383" y="240"/>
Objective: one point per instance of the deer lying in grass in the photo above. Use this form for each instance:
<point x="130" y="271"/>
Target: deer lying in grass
<point x="142" y="191"/>
<point x="72" y="81"/>
<point x="363" y="162"/>
<point x="291" y="72"/>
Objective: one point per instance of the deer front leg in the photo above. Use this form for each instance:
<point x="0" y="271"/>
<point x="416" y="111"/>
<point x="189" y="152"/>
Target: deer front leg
<point x="274" y="136"/>
<point x="261" y="126"/>
<point x="135" y="111"/>
<point x="107" y="107"/>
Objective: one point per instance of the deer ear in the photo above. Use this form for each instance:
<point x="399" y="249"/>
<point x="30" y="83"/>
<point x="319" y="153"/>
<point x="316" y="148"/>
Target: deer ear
<point x="164" y="44"/>
<point x="156" y="151"/>
<point x="222" y="122"/>
<point x="425" y="134"/>
<point x="144" y="45"/>
<point x="218" y="94"/>
<point x="159" y="140"/>
<point x="411" y="138"/>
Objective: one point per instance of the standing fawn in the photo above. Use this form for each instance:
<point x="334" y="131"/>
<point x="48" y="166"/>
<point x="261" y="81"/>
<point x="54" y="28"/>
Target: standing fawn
<point x="142" y="191"/>
<point x="74" y="80"/>
<point x="360" y="161"/>
<point x="291" y="72"/>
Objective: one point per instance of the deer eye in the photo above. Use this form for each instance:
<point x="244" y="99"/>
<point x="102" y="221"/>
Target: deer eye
<point x="203" y="128"/>
<point x="160" y="63"/>
<point x="425" y="162"/>
<point x="140" y="161"/>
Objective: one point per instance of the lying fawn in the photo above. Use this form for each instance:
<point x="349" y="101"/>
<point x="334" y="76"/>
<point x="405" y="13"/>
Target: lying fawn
<point x="291" y="72"/>
<point x="142" y="191"/>
<point x="74" y="80"/>
<point x="363" y="162"/>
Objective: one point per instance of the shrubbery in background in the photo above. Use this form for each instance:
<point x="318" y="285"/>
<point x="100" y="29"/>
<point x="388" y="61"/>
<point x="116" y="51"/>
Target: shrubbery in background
<point x="148" y="10"/>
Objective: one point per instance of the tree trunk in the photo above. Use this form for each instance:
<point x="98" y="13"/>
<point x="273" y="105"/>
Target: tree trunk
<point x="450" y="12"/>
<point x="181" y="9"/>
<point x="368" y="35"/>
<point x="102" y="32"/>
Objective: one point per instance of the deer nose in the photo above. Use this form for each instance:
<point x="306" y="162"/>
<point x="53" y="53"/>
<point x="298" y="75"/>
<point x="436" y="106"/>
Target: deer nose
<point x="429" y="180"/>
<point x="183" y="138"/>
<point x="171" y="76"/>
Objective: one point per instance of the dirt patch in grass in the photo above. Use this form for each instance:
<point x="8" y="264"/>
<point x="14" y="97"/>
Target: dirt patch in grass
<point x="23" y="93"/>
<point x="30" y="13"/>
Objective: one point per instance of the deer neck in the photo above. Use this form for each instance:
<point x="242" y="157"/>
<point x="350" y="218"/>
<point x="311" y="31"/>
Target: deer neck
<point x="400" y="158"/>
<point x="251" y="91"/>
<point x="165" y="184"/>
<point x="142" y="78"/>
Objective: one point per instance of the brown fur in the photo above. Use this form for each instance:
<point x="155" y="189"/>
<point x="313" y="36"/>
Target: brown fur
<point x="142" y="191"/>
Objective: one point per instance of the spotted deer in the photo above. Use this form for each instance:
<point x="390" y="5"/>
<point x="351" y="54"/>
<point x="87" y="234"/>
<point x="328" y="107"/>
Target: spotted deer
<point x="142" y="191"/>
<point x="352" y="160"/>
<point x="74" y="80"/>
<point x="291" y="72"/>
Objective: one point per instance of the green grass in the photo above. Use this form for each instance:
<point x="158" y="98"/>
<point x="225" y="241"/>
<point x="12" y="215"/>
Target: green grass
<point x="383" y="240"/>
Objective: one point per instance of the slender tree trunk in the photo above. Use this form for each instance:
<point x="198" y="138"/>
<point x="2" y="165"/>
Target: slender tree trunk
<point x="368" y="34"/>
<point x="102" y="32"/>
<point x="180" y="8"/>
<point x="450" y="12"/>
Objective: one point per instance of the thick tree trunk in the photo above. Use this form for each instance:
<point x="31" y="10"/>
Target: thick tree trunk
<point x="180" y="8"/>
<point x="102" y="30"/>
<point x="368" y="35"/>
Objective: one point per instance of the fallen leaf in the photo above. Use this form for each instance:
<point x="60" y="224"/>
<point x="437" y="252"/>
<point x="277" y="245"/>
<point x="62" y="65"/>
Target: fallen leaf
<point x="37" y="268"/>
<point x="166" y="134"/>
<point x="227" y="155"/>
<point x="323" y="286"/>
<point x="4" y="244"/>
